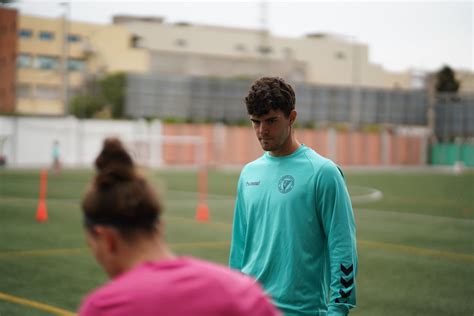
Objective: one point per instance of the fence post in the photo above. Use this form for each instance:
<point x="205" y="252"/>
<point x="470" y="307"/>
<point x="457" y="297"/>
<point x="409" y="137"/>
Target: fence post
<point x="385" y="147"/>
<point x="332" y="144"/>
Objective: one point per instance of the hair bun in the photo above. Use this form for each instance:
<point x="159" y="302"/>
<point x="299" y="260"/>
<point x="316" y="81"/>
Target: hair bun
<point x="114" y="163"/>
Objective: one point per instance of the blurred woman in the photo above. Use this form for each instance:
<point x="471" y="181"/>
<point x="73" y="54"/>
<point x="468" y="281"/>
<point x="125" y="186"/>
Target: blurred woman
<point x="122" y="218"/>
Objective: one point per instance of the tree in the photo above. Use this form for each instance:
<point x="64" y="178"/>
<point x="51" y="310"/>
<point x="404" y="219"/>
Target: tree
<point x="446" y="81"/>
<point x="6" y="2"/>
<point x="113" y="92"/>
<point x="109" y="100"/>
<point x="85" y="106"/>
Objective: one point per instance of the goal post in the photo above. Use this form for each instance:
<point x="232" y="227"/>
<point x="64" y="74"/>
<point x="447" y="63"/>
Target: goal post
<point x="175" y="152"/>
<point x="3" y="140"/>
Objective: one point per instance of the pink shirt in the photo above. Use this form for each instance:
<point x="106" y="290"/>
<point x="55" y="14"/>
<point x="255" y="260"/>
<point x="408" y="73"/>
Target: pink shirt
<point x="183" y="286"/>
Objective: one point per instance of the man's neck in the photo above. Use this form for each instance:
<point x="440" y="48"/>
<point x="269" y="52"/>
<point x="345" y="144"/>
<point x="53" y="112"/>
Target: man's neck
<point x="290" y="147"/>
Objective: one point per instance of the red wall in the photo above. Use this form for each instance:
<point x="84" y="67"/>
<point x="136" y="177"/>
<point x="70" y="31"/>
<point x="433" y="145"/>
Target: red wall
<point x="237" y="145"/>
<point x="8" y="43"/>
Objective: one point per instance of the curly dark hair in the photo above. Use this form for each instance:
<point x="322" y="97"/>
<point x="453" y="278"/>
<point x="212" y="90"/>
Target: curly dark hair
<point x="270" y="93"/>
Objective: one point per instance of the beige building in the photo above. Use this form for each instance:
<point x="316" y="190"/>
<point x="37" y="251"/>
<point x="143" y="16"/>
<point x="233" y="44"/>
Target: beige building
<point x="148" y="44"/>
<point x="318" y="58"/>
<point x="91" y="49"/>
<point x="466" y="79"/>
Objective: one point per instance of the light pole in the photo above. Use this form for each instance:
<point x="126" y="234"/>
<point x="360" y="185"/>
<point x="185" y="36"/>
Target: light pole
<point x="355" y="89"/>
<point x="65" y="57"/>
<point x="264" y="47"/>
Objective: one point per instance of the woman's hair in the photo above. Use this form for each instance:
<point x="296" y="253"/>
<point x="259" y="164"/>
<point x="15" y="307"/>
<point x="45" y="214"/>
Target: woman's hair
<point x="118" y="195"/>
<point x="270" y="93"/>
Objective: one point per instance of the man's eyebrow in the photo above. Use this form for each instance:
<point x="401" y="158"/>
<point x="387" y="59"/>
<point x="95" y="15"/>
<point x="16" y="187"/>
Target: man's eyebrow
<point x="256" y="119"/>
<point x="271" y="118"/>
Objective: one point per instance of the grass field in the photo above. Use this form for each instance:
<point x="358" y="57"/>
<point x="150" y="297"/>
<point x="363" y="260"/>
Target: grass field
<point x="416" y="244"/>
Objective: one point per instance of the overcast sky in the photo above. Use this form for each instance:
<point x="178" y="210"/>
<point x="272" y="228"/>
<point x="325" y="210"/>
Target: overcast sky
<point x="401" y="35"/>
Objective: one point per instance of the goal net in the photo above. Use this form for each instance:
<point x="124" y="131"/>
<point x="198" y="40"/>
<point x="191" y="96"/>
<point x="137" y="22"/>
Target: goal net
<point x="175" y="152"/>
<point x="3" y="140"/>
<point x="155" y="152"/>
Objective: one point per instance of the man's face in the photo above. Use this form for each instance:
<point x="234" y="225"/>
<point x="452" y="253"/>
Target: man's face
<point x="273" y="130"/>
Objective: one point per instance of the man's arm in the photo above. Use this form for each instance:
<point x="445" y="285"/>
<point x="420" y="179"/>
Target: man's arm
<point x="339" y="226"/>
<point x="238" y="231"/>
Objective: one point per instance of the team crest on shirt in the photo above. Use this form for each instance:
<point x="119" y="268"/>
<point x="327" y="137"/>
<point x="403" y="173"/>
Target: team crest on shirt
<point x="286" y="184"/>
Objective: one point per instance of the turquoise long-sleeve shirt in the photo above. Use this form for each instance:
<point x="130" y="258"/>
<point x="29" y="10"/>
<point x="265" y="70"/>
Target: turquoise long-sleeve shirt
<point x="294" y="231"/>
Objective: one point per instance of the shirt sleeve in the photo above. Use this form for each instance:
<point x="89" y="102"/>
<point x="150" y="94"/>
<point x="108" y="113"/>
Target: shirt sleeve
<point x="238" y="231"/>
<point x="339" y="227"/>
<point x="87" y="308"/>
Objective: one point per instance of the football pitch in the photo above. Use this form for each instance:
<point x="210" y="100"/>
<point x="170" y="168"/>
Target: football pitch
<point x="415" y="233"/>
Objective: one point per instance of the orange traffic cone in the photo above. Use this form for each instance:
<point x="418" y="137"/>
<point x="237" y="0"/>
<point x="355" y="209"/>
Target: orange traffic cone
<point x="42" y="212"/>
<point x="202" y="212"/>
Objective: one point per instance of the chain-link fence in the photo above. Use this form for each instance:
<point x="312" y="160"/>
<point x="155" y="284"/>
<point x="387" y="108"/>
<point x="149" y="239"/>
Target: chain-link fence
<point x="212" y="99"/>
<point x="454" y="117"/>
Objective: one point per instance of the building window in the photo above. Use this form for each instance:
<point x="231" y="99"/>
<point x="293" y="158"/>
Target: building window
<point x="46" y="62"/>
<point x="75" y="64"/>
<point x="47" y="92"/>
<point x="73" y="38"/>
<point x="340" y="55"/>
<point x="25" y="33"/>
<point x="23" y="61"/>
<point x="180" y="42"/>
<point x="23" y="90"/>
<point x="136" y="41"/>
<point x="240" y="48"/>
<point x="46" y="36"/>
<point x="264" y="50"/>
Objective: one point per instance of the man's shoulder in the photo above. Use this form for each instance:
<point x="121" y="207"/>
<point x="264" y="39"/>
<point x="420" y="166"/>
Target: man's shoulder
<point x="318" y="161"/>
<point x="323" y="167"/>
<point x="257" y="163"/>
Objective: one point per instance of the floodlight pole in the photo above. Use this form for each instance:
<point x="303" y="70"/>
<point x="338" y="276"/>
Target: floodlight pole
<point x="355" y="89"/>
<point x="65" y="57"/>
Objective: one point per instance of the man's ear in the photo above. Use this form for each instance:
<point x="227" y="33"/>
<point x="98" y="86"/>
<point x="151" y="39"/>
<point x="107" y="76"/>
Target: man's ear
<point x="293" y="115"/>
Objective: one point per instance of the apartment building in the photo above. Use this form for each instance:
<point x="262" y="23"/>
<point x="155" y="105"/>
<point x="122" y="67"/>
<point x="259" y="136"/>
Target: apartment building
<point x="324" y="59"/>
<point x="8" y="40"/>
<point x="53" y="53"/>
<point x="49" y="59"/>
<point x="466" y="78"/>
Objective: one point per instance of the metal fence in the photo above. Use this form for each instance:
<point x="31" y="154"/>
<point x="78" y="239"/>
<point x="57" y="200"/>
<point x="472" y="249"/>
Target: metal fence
<point x="211" y="99"/>
<point x="454" y="116"/>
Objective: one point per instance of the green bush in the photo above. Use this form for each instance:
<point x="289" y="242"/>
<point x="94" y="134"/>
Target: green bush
<point x="85" y="106"/>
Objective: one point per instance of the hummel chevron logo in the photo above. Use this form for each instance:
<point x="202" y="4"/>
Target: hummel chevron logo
<point x="347" y="283"/>
<point x="347" y="271"/>
<point x="344" y="294"/>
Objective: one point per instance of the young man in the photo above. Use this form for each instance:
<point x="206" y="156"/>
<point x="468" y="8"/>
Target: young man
<point x="293" y="228"/>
